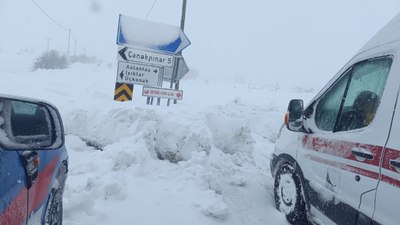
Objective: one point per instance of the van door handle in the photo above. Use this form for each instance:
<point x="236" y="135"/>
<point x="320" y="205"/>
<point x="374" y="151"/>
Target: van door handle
<point x="362" y="153"/>
<point x="395" y="163"/>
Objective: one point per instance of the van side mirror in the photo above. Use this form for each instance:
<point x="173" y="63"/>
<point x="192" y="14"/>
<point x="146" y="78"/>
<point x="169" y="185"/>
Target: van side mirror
<point x="294" y="117"/>
<point x="29" y="125"/>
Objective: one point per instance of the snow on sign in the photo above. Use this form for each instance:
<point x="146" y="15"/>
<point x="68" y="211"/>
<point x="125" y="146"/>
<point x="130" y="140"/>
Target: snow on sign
<point x="140" y="56"/>
<point x="158" y="37"/>
<point x="131" y="73"/>
<point x="162" y="93"/>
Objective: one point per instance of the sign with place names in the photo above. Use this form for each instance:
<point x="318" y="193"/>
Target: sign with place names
<point x="153" y="36"/>
<point x="162" y="93"/>
<point x="133" y="73"/>
<point x="182" y="70"/>
<point x="145" y="57"/>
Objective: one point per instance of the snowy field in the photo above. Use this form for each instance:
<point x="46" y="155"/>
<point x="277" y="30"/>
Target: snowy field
<point x="221" y="134"/>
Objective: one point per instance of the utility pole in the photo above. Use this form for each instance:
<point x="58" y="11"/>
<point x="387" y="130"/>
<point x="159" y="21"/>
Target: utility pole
<point x="183" y="18"/>
<point x="76" y="41"/>
<point x="48" y="44"/>
<point x="69" y="41"/>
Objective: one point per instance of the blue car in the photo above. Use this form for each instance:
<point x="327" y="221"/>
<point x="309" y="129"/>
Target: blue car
<point x="33" y="162"/>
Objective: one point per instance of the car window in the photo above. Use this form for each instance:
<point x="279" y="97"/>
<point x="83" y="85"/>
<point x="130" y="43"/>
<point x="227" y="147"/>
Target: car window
<point x="328" y="107"/>
<point x="365" y="90"/>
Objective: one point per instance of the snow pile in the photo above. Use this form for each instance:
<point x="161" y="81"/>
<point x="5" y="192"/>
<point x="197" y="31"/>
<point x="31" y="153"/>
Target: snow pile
<point x="212" y="152"/>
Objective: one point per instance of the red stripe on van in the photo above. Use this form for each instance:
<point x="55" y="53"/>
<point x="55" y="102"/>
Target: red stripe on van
<point x="391" y="181"/>
<point x="390" y="154"/>
<point x="342" y="149"/>
<point x="364" y="172"/>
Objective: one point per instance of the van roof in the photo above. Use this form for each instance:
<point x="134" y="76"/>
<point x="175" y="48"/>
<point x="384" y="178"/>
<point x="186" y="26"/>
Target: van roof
<point x="390" y="33"/>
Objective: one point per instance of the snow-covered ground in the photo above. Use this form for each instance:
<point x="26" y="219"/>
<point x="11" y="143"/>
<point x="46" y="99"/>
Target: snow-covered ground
<point x="222" y="136"/>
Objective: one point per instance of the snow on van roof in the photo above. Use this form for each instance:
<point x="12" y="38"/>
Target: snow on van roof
<point x="388" y="34"/>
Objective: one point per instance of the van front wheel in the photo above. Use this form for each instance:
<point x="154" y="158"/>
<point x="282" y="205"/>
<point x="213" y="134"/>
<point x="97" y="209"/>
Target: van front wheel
<point x="289" y="195"/>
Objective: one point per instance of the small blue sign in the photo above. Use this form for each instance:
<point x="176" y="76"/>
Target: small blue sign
<point x="158" y="37"/>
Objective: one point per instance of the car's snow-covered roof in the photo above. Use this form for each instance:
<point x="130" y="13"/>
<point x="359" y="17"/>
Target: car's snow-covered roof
<point x="390" y="33"/>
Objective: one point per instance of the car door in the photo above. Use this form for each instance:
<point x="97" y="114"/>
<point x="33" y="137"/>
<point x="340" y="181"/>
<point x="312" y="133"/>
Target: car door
<point x="13" y="191"/>
<point x="387" y="196"/>
<point x="27" y="122"/>
<point x="13" y="182"/>
<point x="31" y="135"/>
<point x="341" y="154"/>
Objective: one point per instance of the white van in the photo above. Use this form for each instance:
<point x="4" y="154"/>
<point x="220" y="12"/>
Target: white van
<point x="337" y="161"/>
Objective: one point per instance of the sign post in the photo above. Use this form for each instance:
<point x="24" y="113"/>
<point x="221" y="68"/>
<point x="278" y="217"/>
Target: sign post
<point x="148" y="53"/>
<point x="183" y="18"/>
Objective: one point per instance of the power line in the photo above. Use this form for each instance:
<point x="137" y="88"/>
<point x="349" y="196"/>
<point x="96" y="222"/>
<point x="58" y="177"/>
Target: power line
<point x="48" y="16"/>
<point x="58" y="24"/>
<point x="151" y="9"/>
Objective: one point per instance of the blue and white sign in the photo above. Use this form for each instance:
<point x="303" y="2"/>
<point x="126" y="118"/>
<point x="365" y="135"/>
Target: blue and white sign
<point x="152" y="36"/>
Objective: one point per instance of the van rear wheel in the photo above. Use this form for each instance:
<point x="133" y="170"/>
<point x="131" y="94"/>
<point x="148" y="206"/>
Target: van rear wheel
<point x="289" y="195"/>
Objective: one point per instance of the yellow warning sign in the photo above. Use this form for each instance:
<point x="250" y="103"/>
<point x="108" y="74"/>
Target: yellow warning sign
<point x="123" y="92"/>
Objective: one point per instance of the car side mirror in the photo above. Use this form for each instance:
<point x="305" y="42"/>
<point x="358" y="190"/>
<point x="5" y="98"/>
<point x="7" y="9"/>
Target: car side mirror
<point x="294" y="116"/>
<point x="29" y="125"/>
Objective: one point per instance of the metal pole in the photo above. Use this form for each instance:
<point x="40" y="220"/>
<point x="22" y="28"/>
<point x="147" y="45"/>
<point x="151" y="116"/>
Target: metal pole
<point x="69" y="41"/>
<point x="173" y="78"/>
<point x="48" y="43"/>
<point x="76" y="42"/>
<point x="183" y="18"/>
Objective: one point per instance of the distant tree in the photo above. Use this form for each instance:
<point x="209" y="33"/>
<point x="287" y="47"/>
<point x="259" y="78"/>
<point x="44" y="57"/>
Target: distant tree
<point x="83" y="58"/>
<point x="51" y="60"/>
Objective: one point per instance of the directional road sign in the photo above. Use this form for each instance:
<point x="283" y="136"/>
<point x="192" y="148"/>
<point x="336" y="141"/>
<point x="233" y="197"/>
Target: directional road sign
<point x="162" y="93"/>
<point x="139" y="33"/>
<point x="133" y="73"/>
<point x="183" y="69"/>
<point x="145" y="57"/>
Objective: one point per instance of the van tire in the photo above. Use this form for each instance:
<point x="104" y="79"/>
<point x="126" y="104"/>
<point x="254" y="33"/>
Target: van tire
<point x="289" y="194"/>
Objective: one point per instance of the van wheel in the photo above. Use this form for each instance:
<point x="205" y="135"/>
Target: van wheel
<point x="54" y="211"/>
<point x="289" y="197"/>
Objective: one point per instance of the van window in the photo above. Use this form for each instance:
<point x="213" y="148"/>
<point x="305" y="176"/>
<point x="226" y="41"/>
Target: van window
<point x="351" y="103"/>
<point x="365" y="90"/>
<point x="328" y="107"/>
